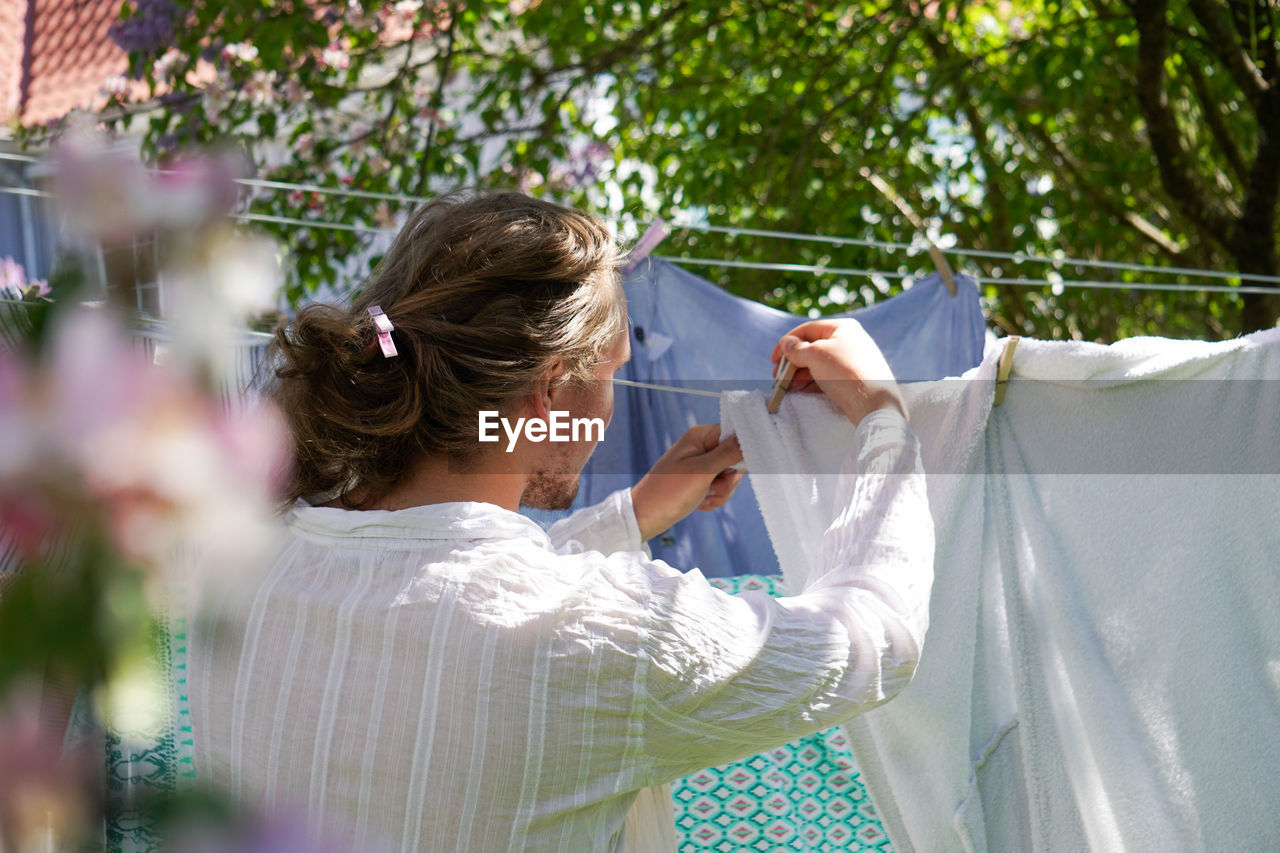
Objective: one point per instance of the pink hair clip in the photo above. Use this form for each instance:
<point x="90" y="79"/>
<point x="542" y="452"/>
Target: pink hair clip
<point x="383" y="324"/>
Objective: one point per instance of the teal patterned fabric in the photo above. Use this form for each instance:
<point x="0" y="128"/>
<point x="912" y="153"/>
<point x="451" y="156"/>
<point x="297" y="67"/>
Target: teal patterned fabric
<point x="807" y="795"/>
<point x="141" y="763"/>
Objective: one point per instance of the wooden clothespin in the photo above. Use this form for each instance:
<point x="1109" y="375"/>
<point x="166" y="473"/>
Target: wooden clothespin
<point x="653" y="235"/>
<point x="939" y="259"/>
<point x="1004" y="367"/>
<point x="786" y="371"/>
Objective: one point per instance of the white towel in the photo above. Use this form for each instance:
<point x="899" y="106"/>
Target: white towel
<point x="1102" y="670"/>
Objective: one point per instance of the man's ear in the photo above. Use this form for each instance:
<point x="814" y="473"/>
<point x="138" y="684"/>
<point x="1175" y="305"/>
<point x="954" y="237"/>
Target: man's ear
<point x="545" y="390"/>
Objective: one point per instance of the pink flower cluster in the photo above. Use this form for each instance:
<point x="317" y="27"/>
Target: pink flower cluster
<point x="14" y="283"/>
<point x="98" y="434"/>
<point x="335" y="56"/>
<point x="111" y="197"/>
<point x="43" y="789"/>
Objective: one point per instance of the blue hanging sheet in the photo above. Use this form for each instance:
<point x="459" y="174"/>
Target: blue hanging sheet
<point x="687" y="332"/>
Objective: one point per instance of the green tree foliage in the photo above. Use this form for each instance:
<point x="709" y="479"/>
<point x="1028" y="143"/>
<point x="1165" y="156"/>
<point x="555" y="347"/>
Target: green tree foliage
<point x="1141" y="132"/>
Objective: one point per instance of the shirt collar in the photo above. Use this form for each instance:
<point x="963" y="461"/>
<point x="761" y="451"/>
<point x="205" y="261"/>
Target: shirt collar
<point x="460" y="520"/>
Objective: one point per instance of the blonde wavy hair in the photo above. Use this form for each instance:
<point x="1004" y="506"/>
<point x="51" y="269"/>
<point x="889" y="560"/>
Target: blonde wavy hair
<point x="485" y="293"/>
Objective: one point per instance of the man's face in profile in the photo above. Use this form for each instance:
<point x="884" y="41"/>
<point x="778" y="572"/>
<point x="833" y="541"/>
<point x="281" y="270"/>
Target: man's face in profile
<point x="554" y="483"/>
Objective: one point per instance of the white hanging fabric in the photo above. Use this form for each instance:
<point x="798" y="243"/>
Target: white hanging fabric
<point x="1102" y="670"/>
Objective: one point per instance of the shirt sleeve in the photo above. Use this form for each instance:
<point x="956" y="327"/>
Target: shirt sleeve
<point x="608" y="527"/>
<point x="728" y="676"/>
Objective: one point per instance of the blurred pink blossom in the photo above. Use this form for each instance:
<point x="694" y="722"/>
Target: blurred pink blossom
<point x="242" y="51"/>
<point x="218" y="96"/>
<point x="43" y="792"/>
<point x="293" y="91"/>
<point x="398" y="21"/>
<point x="354" y="15"/>
<point x="334" y="56"/>
<point x="29" y="521"/>
<point x="261" y="87"/>
<point x="99" y="429"/>
<point x="15" y="284"/>
<point x="166" y="64"/>
<point x="13" y="278"/>
<point x="383" y="216"/>
<point x="205" y="187"/>
<point x="114" y="85"/>
<point x="110" y="197"/>
<point x="103" y="193"/>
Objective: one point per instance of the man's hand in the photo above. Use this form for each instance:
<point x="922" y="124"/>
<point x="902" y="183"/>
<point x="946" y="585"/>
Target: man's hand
<point x="839" y="358"/>
<point x="693" y="474"/>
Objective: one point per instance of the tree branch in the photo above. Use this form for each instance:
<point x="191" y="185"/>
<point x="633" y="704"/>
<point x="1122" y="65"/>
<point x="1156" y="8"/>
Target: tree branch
<point x="1064" y="164"/>
<point x="1217" y="126"/>
<point x="437" y="99"/>
<point x="1255" y="237"/>
<point x="1223" y="42"/>
<point x="995" y="195"/>
<point x="1273" y="44"/>
<point x="1172" y="160"/>
<point x="1245" y="14"/>
<point x="626" y="47"/>
<point x="398" y="80"/>
<point x="1012" y="300"/>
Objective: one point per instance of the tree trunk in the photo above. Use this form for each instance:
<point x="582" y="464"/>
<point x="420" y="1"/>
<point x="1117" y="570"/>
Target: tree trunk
<point x="1253" y="241"/>
<point x="1260" y="310"/>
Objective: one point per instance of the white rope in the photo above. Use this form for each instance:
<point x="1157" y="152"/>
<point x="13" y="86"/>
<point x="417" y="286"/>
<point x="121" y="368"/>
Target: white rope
<point x="818" y="269"/>
<point x="1016" y="257"/>
<point x="633" y="384"/>
<point x="732" y="230"/>
<point x="160" y="330"/>
<point x="1132" y="285"/>
<point x="316" y="188"/>
<point x="1017" y="282"/>
<point x="289" y="220"/>
<point x="25" y="191"/>
<point x="781" y="267"/>
<point x="888" y="245"/>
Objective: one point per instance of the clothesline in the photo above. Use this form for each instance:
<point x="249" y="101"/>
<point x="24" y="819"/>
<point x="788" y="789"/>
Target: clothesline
<point x="815" y="269"/>
<point x="1017" y="282"/>
<point x="1015" y="257"/>
<point x="157" y="330"/>
<point x="250" y="337"/>
<point x="253" y="338"/>
<point x="818" y="269"/>
<point x="732" y="230"/>
<point x="671" y="388"/>
<point x="882" y="244"/>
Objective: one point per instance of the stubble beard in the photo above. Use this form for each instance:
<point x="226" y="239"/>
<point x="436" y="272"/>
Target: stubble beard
<point x="550" y="489"/>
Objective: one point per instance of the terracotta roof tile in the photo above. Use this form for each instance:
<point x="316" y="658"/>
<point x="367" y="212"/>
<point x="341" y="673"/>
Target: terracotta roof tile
<point x="66" y="51"/>
<point x="12" y="31"/>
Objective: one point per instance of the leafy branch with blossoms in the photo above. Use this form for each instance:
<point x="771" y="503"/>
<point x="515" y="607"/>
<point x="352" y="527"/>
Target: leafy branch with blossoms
<point x="125" y="483"/>
<point x="1028" y="135"/>
<point x="412" y="97"/>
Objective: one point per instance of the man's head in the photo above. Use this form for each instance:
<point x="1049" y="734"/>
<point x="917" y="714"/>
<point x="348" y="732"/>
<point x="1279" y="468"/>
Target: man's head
<point x="555" y="467"/>
<point x="499" y="303"/>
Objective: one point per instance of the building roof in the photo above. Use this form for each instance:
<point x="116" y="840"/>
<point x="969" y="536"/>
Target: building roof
<point x="55" y="56"/>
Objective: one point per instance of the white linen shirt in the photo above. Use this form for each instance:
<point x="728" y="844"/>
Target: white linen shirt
<point x="451" y="677"/>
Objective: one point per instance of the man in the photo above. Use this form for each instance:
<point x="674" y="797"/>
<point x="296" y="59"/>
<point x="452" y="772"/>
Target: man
<point x="422" y="668"/>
